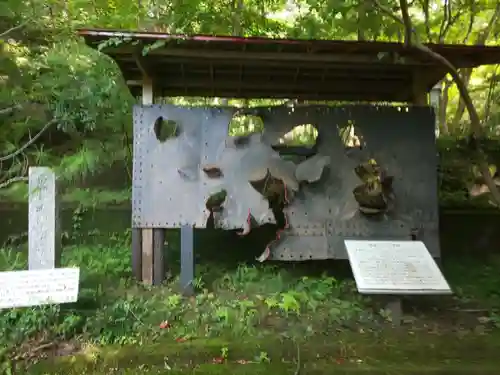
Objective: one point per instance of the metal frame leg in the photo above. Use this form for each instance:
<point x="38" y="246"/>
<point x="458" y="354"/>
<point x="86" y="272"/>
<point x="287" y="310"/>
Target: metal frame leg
<point x="137" y="253"/>
<point x="187" y="260"/>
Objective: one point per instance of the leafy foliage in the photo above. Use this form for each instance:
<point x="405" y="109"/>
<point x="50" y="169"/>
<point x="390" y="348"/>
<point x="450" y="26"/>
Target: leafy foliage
<point x="46" y="74"/>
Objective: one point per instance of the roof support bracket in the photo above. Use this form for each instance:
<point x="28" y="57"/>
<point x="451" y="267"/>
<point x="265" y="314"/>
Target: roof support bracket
<point x="419" y="89"/>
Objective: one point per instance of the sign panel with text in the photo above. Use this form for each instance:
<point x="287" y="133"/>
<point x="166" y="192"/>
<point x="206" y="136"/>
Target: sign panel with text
<point x="38" y="287"/>
<point x="395" y="267"/>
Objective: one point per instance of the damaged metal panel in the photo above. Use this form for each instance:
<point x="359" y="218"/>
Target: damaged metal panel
<point x="171" y="188"/>
<point x="167" y="176"/>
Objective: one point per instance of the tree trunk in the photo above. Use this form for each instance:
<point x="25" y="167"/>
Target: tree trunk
<point x="455" y="123"/>
<point x="361" y="18"/>
<point x="476" y="129"/>
<point x="467" y="73"/>
<point x="237" y="13"/>
<point x="236" y="29"/>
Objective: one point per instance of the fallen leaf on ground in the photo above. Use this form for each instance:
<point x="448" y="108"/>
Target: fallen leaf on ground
<point x="165" y="324"/>
<point x="483" y="319"/>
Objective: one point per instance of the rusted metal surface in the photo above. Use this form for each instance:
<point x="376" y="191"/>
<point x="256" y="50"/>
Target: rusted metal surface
<point x="171" y="189"/>
<point x="281" y="68"/>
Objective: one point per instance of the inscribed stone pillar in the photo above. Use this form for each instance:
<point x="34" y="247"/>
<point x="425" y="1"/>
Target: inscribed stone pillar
<point x="44" y="236"/>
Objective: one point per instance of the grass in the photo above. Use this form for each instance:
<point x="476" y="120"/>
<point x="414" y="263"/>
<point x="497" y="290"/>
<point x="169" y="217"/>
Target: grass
<point x="85" y="197"/>
<point x="247" y="319"/>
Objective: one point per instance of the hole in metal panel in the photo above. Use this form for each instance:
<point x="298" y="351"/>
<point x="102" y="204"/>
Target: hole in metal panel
<point x="301" y="135"/>
<point x="244" y="125"/>
<point x="212" y="171"/>
<point x="165" y="129"/>
<point x="351" y="138"/>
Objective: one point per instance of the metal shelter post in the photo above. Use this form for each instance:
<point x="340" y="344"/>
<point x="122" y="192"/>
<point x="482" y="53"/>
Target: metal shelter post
<point x="187" y="259"/>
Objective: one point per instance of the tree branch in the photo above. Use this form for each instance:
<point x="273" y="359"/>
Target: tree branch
<point x="406" y="23"/>
<point x="12" y="29"/>
<point x="425" y="8"/>
<point x="483" y="36"/>
<point x="13" y="180"/>
<point x="489" y="97"/>
<point x="476" y="128"/>
<point x="467" y="73"/>
<point x="450" y="23"/>
<point x="9" y="110"/>
<point x="29" y="143"/>
<point x="471" y="20"/>
<point x="443" y="23"/>
<point x="388" y="12"/>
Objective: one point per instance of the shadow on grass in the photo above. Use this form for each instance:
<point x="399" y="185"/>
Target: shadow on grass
<point x="227" y="250"/>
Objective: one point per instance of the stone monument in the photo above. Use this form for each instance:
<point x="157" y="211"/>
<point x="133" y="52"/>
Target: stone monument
<point x="44" y="282"/>
<point x="44" y="235"/>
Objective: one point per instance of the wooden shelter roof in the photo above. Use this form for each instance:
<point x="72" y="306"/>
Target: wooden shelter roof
<point x="253" y="67"/>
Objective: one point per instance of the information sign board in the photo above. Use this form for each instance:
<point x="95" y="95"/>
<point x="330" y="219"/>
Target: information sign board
<point x="395" y="267"/>
<point x="38" y="287"/>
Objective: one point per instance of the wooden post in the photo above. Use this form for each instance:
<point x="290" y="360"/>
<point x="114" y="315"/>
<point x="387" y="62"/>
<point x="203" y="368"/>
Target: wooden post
<point x="419" y="91"/>
<point x="147" y="234"/>
<point x="147" y="256"/>
<point x="158" y="256"/>
<point x="152" y="240"/>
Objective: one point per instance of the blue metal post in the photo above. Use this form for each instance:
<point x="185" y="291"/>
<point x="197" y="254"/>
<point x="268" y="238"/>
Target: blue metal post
<point x="187" y="259"/>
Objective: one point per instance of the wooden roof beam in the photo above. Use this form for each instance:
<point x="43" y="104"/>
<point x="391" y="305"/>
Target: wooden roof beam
<point x="279" y="65"/>
<point x="288" y="86"/>
<point x="364" y="58"/>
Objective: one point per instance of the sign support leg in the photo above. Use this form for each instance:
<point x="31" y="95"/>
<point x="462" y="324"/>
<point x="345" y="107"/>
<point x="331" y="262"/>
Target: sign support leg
<point x="395" y="308"/>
